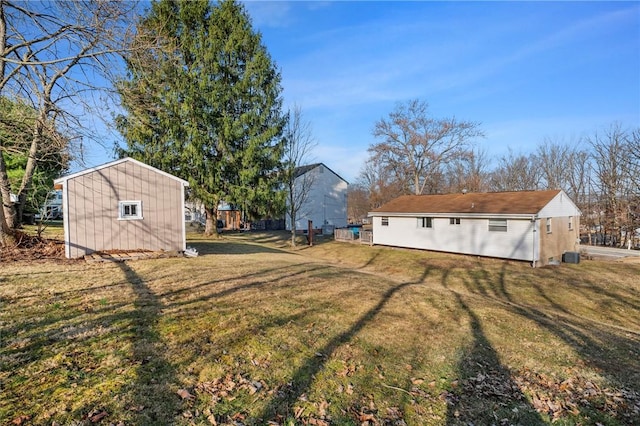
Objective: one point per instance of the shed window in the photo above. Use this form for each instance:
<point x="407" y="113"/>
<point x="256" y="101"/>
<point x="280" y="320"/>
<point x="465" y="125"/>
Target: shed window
<point x="570" y="223"/>
<point x="384" y="221"/>
<point x="454" y="221"/>
<point x="130" y="210"/>
<point x="548" y="225"/>
<point x="498" y="225"/>
<point x="425" y="222"/>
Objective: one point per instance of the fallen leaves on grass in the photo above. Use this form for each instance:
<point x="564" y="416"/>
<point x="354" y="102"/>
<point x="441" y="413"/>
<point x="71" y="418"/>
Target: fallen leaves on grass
<point x="96" y="415"/>
<point x="184" y="394"/>
<point x="225" y="388"/>
<point x="548" y="395"/>
<point x="349" y="369"/>
<point x="305" y="411"/>
<point x="558" y="398"/>
<point x="20" y="420"/>
<point x="370" y="415"/>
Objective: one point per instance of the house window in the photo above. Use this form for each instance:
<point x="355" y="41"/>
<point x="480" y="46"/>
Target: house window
<point x="548" y="225"/>
<point x="570" y="223"/>
<point x="498" y="225"/>
<point x="385" y="221"/>
<point x="425" y="222"/>
<point x="128" y="210"/>
<point x="454" y="221"/>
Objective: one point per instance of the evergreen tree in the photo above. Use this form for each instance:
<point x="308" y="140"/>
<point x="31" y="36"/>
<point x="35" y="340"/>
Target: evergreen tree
<point x="204" y="102"/>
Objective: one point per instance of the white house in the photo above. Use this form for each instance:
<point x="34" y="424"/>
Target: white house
<point x="326" y="201"/>
<point x="535" y="226"/>
<point x="52" y="208"/>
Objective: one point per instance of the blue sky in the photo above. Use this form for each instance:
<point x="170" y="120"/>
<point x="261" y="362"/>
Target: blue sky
<point x="525" y="70"/>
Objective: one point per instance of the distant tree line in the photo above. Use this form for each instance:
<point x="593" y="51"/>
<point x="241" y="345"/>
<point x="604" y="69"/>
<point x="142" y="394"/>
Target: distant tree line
<point x="415" y="153"/>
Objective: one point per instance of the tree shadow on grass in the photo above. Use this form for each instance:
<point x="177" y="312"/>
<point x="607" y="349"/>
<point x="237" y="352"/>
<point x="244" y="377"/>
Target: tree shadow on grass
<point x="282" y="403"/>
<point x="64" y="342"/>
<point x="611" y="350"/>
<point x="219" y="288"/>
<point x="486" y="393"/>
<point x="231" y="247"/>
<point x="153" y="400"/>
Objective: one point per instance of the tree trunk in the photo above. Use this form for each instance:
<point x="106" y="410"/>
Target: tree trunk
<point x="416" y="182"/>
<point x="293" y="229"/>
<point x="8" y="209"/>
<point x="211" y="220"/>
<point x="7" y="236"/>
<point x="29" y="170"/>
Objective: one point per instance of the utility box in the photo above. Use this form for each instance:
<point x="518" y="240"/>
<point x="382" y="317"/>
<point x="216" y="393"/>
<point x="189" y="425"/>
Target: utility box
<point x="571" y="257"/>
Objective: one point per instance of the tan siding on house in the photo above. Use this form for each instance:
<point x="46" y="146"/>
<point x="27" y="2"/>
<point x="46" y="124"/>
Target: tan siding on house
<point x="93" y="210"/>
<point x="154" y="241"/>
<point x="560" y="240"/>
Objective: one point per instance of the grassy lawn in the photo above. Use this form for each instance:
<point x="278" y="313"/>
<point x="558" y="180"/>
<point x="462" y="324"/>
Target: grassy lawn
<point x="253" y="332"/>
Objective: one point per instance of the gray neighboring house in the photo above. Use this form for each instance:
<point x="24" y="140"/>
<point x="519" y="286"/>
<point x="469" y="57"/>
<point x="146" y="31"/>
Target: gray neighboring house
<point x="326" y="201"/>
<point x="122" y="205"/>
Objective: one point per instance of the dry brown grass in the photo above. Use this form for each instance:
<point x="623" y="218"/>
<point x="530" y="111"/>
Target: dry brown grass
<point x="251" y="332"/>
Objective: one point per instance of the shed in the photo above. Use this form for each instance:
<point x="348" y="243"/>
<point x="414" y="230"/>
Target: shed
<point x="536" y="226"/>
<point x="122" y="205"/>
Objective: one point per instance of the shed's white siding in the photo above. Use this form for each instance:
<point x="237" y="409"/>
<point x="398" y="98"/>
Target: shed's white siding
<point x="326" y="203"/>
<point x="471" y="236"/>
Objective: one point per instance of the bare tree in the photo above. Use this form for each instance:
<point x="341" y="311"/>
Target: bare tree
<point x="553" y="159"/>
<point x="415" y="146"/>
<point x="633" y="160"/>
<point x="516" y="173"/>
<point x="614" y="181"/>
<point x="51" y="55"/>
<point x="578" y="177"/>
<point x="380" y="183"/>
<point x="375" y="185"/>
<point x="357" y="203"/>
<point x="470" y="172"/>
<point x="299" y="144"/>
<point x="634" y="173"/>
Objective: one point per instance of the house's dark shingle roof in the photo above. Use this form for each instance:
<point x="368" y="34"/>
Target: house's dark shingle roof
<point x="299" y="171"/>
<point x="520" y="202"/>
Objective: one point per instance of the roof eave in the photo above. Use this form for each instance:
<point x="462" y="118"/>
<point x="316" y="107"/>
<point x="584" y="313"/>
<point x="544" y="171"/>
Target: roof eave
<point x="483" y="215"/>
<point x="62" y="180"/>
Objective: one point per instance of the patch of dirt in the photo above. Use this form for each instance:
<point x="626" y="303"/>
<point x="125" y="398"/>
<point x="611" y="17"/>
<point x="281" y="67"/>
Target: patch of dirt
<point x="31" y="247"/>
